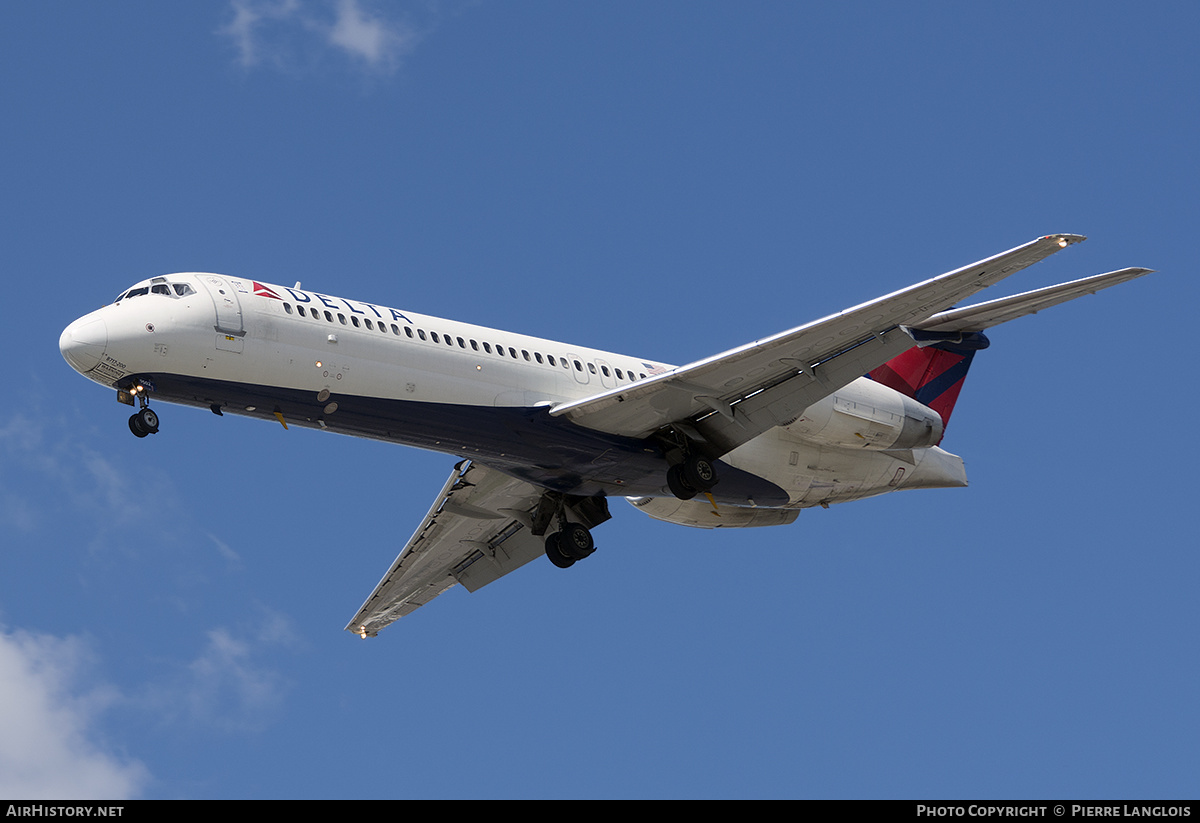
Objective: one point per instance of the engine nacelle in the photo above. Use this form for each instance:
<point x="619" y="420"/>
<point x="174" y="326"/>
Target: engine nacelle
<point x="867" y="415"/>
<point x="701" y="515"/>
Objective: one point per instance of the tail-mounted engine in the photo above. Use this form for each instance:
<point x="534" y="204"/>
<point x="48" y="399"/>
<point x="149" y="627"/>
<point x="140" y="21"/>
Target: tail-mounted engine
<point x="866" y="415"/>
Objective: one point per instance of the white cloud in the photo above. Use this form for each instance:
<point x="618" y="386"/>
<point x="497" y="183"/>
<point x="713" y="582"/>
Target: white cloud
<point x="369" y="38"/>
<point x="278" y="31"/>
<point x="249" y="17"/>
<point x="42" y="474"/>
<point x="227" y="687"/>
<point x="48" y="745"/>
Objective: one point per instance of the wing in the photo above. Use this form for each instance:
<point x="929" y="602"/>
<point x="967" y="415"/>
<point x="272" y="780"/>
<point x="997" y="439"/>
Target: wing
<point x="733" y="397"/>
<point x="476" y="531"/>
<point x="994" y="312"/>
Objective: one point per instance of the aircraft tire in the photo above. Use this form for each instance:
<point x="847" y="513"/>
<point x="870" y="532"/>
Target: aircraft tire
<point x="575" y="541"/>
<point x="698" y="472"/>
<point x="147" y="420"/>
<point x="554" y="552"/>
<point x="135" y="426"/>
<point x="677" y="485"/>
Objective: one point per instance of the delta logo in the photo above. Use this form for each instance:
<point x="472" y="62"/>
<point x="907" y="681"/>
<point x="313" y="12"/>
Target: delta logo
<point x="263" y="291"/>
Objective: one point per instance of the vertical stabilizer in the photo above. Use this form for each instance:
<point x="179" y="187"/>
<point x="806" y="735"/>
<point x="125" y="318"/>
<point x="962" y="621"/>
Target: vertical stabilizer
<point x="933" y="371"/>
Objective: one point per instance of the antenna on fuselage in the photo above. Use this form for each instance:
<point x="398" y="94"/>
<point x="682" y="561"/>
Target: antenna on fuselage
<point x="297" y="285"/>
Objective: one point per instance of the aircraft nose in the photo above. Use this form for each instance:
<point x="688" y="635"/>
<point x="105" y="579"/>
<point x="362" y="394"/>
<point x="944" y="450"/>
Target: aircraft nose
<point x="83" y="342"/>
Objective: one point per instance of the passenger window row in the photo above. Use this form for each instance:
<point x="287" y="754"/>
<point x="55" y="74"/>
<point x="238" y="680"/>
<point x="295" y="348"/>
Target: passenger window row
<point x="434" y="337"/>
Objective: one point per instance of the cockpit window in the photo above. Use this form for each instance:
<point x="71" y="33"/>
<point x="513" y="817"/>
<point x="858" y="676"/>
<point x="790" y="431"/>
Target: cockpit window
<point x="165" y="289"/>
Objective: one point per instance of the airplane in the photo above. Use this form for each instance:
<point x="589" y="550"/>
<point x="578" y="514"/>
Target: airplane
<point x="846" y="407"/>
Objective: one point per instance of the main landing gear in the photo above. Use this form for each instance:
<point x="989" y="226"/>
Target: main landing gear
<point x="573" y="540"/>
<point x="695" y="475"/>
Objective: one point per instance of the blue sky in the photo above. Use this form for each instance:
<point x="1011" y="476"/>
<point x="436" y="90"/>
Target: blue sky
<point x="664" y="179"/>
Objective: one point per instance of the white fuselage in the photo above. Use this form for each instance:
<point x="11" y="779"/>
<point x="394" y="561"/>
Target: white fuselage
<point x="310" y="359"/>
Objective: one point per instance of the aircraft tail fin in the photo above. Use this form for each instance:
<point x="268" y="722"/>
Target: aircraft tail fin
<point x="933" y="373"/>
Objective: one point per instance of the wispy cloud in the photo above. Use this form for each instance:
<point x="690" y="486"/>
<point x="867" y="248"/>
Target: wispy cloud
<point x="277" y="32"/>
<point x="90" y="482"/>
<point x="49" y="743"/>
<point x="228" y="686"/>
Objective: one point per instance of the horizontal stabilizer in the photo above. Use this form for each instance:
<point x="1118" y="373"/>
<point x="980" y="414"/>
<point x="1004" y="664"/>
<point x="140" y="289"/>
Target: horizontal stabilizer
<point x="994" y="312"/>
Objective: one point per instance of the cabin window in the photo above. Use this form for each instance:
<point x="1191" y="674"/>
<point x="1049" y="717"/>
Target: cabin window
<point x="591" y="367"/>
<point x="605" y="370"/>
<point x="487" y="348"/>
<point x="525" y="354"/>
<point x="434" y="337"/>
<point x="474" y="345"/>
<point x="619" y="375"/>
<point x="421" y="334"/>
<point x="342" y="318"/>
<point x="408" y="331"/>
<point x="354" y="320"/>
<point x="461" y="343"/>
<point x="369" y="325"/>
<point x="328" y="317"/>
<point x="578" y="366"/>
<point x="287" y="307"/>
<point x="537" y="355"/>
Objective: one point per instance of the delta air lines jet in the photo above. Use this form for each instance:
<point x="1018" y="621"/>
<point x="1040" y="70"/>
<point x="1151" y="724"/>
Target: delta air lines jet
<point x="842" y="408"/>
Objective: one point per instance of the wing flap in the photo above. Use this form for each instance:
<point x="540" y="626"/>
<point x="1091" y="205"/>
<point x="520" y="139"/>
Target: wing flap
<point x="473" y="534"/>
<point x="797" y="367"/>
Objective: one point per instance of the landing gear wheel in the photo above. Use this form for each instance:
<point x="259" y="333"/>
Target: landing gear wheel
<point x="555" y="553"/>
<point x="148" y="420"/>
<point x="575" y="541"/>
<point x="698" y="473"/>
<point x="677" y="486"/>
<point x="135" y="426"/>
<point x="143" y="422"/>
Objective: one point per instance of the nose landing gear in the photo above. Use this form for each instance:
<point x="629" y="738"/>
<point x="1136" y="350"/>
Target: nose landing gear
<point x="144" y="421"/>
